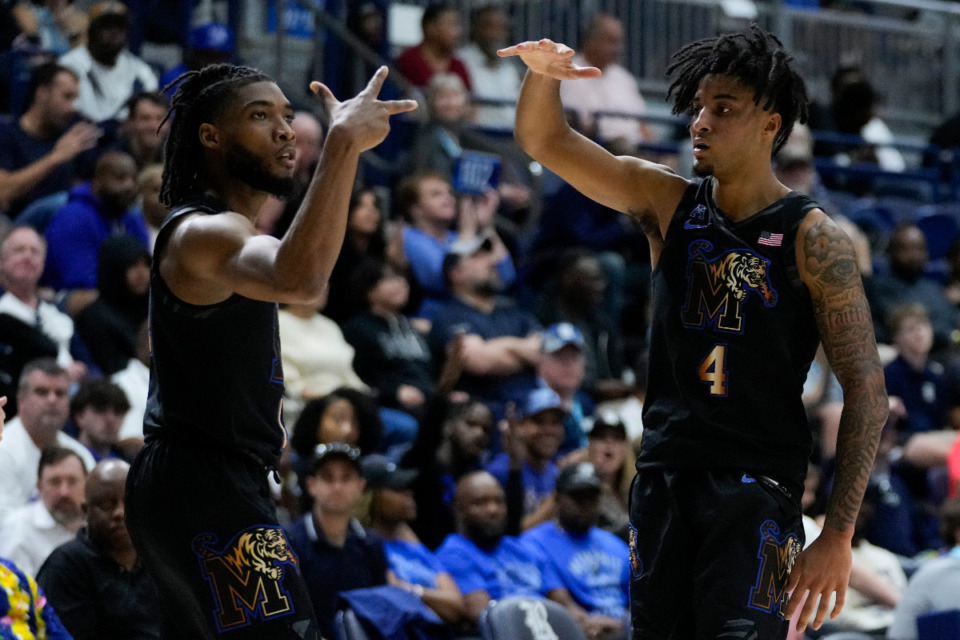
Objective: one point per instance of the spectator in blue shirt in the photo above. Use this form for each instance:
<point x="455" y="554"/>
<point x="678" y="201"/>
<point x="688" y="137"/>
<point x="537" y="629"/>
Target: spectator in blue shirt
<point x="526" y="468"/>
<point x="96" y="211"/>
<point x="590" y="562"/>
<point x="487" y="564"/>
<point x="438" y="219"/>
<point x="412" y="566"/>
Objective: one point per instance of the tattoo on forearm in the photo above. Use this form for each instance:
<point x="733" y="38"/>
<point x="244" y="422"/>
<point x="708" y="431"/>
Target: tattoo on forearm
<point x="846" y="330"/>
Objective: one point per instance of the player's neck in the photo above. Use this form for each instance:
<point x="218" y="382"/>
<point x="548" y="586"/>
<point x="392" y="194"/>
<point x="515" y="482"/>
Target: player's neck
<point x="239" y="197"/>
<point x="741" y="198"/>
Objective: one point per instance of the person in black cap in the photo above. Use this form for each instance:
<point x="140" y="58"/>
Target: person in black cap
<point x="591" y="563"/>
<point x="411" y="565"/>
<point x="610" y="451"/>
<point x="328" y="540"/>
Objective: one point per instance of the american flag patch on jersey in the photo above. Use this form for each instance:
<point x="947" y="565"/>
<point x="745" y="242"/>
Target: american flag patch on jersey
<point x="770" y="239"/>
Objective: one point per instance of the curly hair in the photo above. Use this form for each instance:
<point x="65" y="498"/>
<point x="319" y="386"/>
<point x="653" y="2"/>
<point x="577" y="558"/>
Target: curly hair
<point x="757" y="60"/>
<point x="200" y="97"/>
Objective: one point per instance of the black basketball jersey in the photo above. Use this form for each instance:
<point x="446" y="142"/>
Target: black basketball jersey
<point x="215" y="372"/>
<point x="733" y="334"/>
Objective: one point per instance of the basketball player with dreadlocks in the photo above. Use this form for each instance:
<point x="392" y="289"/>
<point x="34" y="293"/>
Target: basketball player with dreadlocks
<point x="198" y="506"/>
<point x="748" y="278"/>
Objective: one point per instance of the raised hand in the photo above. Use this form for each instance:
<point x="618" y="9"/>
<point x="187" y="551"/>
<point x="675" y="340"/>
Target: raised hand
<point x="364" y="119"/>
<point x="79" y="138"/>
<point x="550" y="59"/>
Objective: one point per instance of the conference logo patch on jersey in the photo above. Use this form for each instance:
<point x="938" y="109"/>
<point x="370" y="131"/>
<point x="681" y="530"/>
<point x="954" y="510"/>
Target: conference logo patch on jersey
<point x="246" y="575"/>
<point x="636" y="564"/>
<point x="697" y="219"/>
<point x="717" y="285"/>
<point x="776" y="556"/>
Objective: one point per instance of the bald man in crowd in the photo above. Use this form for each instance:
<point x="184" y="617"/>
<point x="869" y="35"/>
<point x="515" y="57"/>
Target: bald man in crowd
<point x="96" y="582"/>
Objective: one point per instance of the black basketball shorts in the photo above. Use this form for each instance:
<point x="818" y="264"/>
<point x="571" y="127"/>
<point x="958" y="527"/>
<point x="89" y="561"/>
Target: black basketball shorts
<point x="204" y="524"/>
<point x="710" y="554"/>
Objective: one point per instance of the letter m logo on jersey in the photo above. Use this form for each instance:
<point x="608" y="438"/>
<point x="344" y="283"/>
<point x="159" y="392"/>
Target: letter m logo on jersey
<point x="716" y="286"/>
<point x="776" y="559"/>
<point x="246" y="576"/>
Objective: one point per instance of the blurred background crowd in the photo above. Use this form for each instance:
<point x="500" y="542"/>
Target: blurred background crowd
<point x="464" y="406"/>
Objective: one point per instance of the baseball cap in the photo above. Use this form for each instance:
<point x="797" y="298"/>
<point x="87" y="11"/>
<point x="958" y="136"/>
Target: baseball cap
<point x="539" y="400"/>
<point x="105" y="12"/>
<point x="212" y="36"/>
<point x="465" y="247"/>
<point x="336" y="451"/>
<point x="380" y="472"/>
<point x="578" y="477"/>
<point x="608" y="424"/>
<point x="559" y="335"/>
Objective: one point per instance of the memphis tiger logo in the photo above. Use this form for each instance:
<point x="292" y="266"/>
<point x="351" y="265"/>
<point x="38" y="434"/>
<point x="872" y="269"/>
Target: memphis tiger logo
<point x="777" y="556"/>
<point x="717" y="286"/>
<point x="246" y="575"/>
<point x="636" y="564"/>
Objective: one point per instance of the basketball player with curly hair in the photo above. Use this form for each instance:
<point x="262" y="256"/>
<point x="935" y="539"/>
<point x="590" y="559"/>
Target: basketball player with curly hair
<point x="748" y="278"/>
<point x="198" y="506"/>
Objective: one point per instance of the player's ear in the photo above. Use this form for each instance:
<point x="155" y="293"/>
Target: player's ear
<point x="773" y="123"/>
<point x="209" y="135"/>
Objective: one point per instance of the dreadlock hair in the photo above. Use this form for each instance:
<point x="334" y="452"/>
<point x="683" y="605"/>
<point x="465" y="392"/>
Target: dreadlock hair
<point x="757" y="60"/>
<point x="200" y="97"/>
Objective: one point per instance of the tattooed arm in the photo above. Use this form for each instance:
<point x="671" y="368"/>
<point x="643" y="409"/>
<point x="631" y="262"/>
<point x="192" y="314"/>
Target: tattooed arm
<point x="828" y="267"/>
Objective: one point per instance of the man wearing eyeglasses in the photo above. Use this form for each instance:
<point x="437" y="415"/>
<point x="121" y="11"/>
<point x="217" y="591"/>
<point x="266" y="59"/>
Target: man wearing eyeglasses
<point x="329" y="541"/>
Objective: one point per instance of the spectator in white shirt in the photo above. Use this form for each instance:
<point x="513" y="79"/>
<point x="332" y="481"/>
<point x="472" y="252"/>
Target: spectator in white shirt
<point x="44" y="405"/>
<point x="492" y="77"/>
<point x="616" y="91"/>
<point x="29" y="533"/>
<point x="22" y="257"/>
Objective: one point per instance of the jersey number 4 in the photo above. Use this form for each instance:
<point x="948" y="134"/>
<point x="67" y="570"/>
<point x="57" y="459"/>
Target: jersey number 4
<point x="713" y="370"/>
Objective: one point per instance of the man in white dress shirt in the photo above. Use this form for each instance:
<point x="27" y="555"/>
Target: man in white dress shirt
<point x="492" y="77"/>
<point x="616" y="91"/>
<point x="29" y="533"/>
<point x="23" y="254"/>
<point x="44" y="406"/>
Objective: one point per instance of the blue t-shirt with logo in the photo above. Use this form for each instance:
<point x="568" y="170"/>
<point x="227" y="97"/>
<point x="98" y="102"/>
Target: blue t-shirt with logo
<point x="412" y="562"/>
<point x="537" y="485"/>
<point x="594" y="568"/>
<point x="511" y="569"/>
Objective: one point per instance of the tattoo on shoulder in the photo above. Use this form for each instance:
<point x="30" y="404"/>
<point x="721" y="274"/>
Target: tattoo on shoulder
<point x="830" y="256"/>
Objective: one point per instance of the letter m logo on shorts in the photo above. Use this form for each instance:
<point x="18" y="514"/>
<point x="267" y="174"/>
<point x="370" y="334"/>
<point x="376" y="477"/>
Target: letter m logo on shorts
<point x="776" y="558"/>
<point x="246" y="576"/>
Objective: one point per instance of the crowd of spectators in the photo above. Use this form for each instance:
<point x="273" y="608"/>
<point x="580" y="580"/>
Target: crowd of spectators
<point x="462" y="403"/>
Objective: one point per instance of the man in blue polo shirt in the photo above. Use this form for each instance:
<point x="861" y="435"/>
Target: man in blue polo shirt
<point x="591" y="563"/>
<point x="486" y="564"/>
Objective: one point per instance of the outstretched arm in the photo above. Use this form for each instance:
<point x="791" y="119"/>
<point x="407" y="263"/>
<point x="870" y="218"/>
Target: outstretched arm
<point x="223" y="254"/>
<point x="828" y="266"/>
<point x="648" y="191"/>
